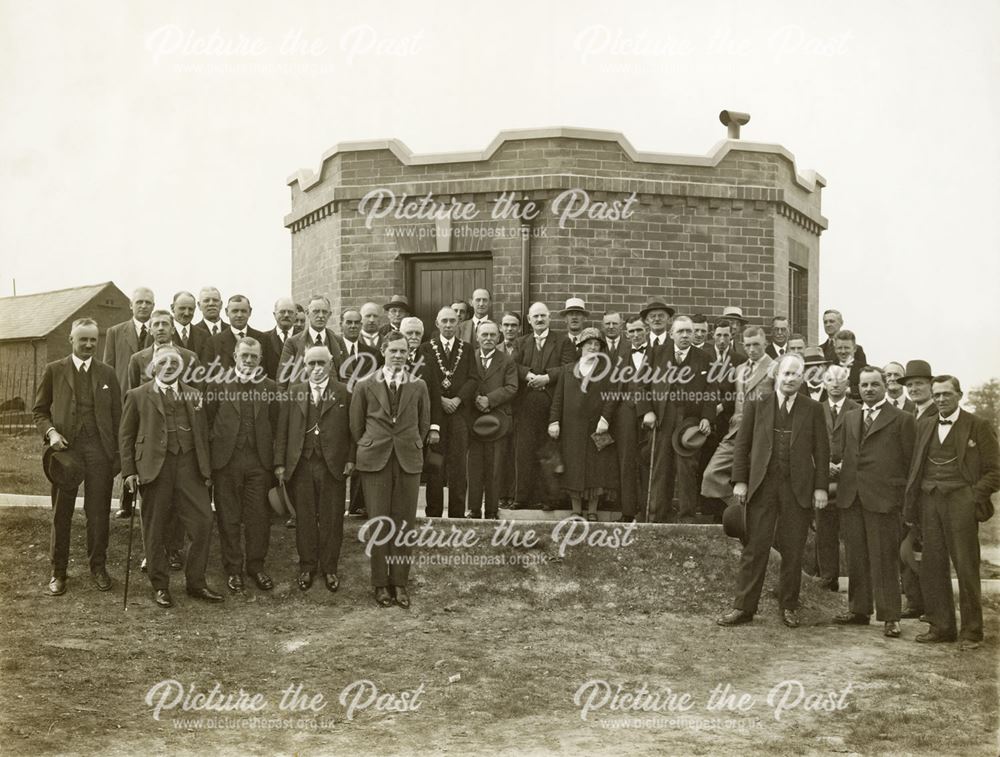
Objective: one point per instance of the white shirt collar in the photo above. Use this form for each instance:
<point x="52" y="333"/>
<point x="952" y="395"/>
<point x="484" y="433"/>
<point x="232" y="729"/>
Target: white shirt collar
<point x="543" y="335"/>
<point x="953" y="417"/>
<point x="322" y="384"/>
<point x="179" y="327"/>
<point x="683" y="353"/>
<point x="313" y="334"/>
<point x="447" y="343"/>
<point x="162" y="388"/>
<point x="387" y="374"/>
<point x="78" y="362"/>
<point x="487" y="355"/>
<point x="835" y="404"/>
<point x="139" y="326"/>
<point x="924" y="406"/>
<point x="788" y="401"/>
<point x="349" y="342"/>
<point x="657" y="339"/>
<point x="876" y="407"/>
<point x="236" y="331"/>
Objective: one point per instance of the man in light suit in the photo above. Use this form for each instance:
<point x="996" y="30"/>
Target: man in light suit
<point x="314" y="451"/>
<point x="210" y="305"/>
<point x="164" y="448"/>
<point x="125" y="339"/>
<point x="496" y="387"/>
<point x="185" y="335"/>
<point x="895" y="393"/>
<point x="539" y="356"/>
<point x="242" y="415"/>
<point x="274" y="340"/>
<point x="316" y="334"/>
<point x="78" y="406"/>
<point x="955" y="470"/>
<point x="219" y="350"/>
<point x="877" y="447"/>
<point x="390" y="419"/>
<point x="481" y="302"/>
<point x="780" y="472"/>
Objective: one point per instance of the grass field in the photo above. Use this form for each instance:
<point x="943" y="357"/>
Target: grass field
<point x="496" y="654"/>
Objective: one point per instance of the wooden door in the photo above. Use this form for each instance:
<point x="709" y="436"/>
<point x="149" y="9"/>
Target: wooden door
<point x="439" y="280"/>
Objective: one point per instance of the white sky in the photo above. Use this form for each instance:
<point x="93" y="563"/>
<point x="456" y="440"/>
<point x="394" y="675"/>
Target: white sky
<point x="150" y="142"/>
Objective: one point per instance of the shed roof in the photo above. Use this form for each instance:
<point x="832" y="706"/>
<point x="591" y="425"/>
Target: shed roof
<point x="34" y="316"/>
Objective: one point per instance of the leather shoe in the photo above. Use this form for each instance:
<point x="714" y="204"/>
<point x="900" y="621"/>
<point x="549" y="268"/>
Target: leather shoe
<point x="332" y="582"/>
<point x="305" y="580"/>
<point x="290" y="523"/>
<point x="121" y="512"/>
<point x="790" y="618"/>
<point x="735" y="618"/>
<point x="235" y="582"/>
<point x="263" y="581"/>
<point x="402" y="598"/>
<point x="101" y="579"/>
<point x="382" y="596"/>
<point x="206" y="594"/>
<point x="911" y="612"/>
<point x="891" y="629"/>
<point x="933" y="637"/>
<point x="143" y="567"/>
<point x="968" y="644"/>
<point x="162" y="598"/>
<point x="851" y="619"/>
<point x="57" y="586"/>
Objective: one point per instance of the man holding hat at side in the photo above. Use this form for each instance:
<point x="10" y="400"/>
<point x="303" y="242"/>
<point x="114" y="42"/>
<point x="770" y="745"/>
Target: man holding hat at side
<point x="77" y="410"/>
<point x="496" y="375"/>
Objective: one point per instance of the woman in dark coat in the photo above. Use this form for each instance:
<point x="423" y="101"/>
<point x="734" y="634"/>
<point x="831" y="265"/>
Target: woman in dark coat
<point x="585" y="400"/>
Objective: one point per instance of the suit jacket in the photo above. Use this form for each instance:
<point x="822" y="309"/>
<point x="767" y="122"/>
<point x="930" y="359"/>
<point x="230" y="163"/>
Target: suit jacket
<point x="334" y="428"/>
<point x="498" y="383"/>
<point x="467" y="334"/>
<point x="138" y="367"/>
<point x="363" y="364"/>
<point x="978" y="459"/>
<point x="120" y="343"/>
<point x="55" y="402"/>
<point x="223" y="345"/>
<point x="203" y="327"/>
<point x="557" y="352"/>
<point x="291" y="369"/>
<point x="749" y="388"/>
<point x="688" y="393"/>
<point x="834" y="426"/>
<point x="223" y="406"/>
<point x="722" y="375"/>
<point x="930" y="411"/>
<point x="809" y="463"/>
<point x="271" y="347"/>
<point x="876" y="463"/>
<point x="142" y="438"/>
<point x="908" y="405"/>
<point x="196" y="339"/>
<point x="377" y="346"/>
<point x="462" y="381"/>
<point x="772" y="352"/>
<point x="831" y="353"/>
<point x="378" y="434"/>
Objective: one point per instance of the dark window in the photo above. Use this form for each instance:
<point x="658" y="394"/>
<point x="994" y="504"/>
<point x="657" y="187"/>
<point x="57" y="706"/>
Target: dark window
<point x="798" y="299"/>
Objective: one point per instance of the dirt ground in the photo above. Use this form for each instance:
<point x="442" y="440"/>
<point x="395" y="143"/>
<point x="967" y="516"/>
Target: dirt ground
<point x="488" y="660"/>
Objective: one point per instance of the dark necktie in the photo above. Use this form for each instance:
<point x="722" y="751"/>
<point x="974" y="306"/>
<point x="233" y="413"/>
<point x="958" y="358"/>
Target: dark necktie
<point x="868" y="418"/>
<point x="143" y="333"/>
<point x="319" y="340"/>
<point x="184" y="336"/>
<point x="834" y="411"/>
<point x="240" y="334"/>
<point x="783" y="408"/>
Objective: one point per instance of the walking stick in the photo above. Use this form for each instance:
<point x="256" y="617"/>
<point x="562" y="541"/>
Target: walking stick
<point x="649" y="482"/>
<point x="128" y="557"/>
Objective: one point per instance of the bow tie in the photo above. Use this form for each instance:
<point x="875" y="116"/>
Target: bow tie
<point x="638" y="349"/>
<point x="944" y="423"/>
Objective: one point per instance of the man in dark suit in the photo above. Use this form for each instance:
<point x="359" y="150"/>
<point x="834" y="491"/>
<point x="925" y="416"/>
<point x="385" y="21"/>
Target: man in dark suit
<point x="496" y="387"/>
<point x="467" y="329"/>
<point x="895" y="393"/>
<point x="657" y="316"/>
<point x="506" y="473"/>
<point x="316" y="334"/>
<point x="836" y="404"/>
<point x="833" y="322"/>
<point x="125" y="339"/>
<point x="390" y="419"/>
<point x="451" y="380"/>
<point x="778" y="345"/>
<point x="219" y="350"/>
<point x="210" y="305"/>
<point x="360" y="360"/>
<point x="539" y="356"/>
<point x="164" y="448"/>
<point x="613" y="328"/>
<point x="632" y="475"/>
<point x="734" y="315"/>
<point x="184" y="334"/>
<point x="78" y="406"/>
<point x="701" y="329"/>
<point x="877" y="444"/>
<point x="780" y="472"/>
<point x="371" y="315"/>
<point x="917" y="380"/>
<point x="313" y="450"/>
<point x="242" y="414"/>
<point x="274" y="340"/>
<point x="845" y="347"/>
<point x="396" y="309"/>
<point x="955" y="470"/>
<point x="161" y="332"/>
<point x="684" y="395"/>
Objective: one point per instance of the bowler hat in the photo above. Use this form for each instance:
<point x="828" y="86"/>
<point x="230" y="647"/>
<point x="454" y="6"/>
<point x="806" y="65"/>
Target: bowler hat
<point x="734" y="522"/>
<point x="278" y="499"/>
<point x="489" y="427"/>
<point x="916" y="369"/>
<point x="688" y="438"/>
<point x="433" y="460"/>
<point x="575" y="304"/>
<point x="398" y="301"/>
<point x="656" y="305"/>
<point x="64" y="468"/>
<point x="814" y="356"/>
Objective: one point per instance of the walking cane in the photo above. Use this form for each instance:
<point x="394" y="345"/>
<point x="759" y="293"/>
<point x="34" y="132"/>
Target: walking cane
<point x="649" y="482"/>
<point x="128" y="557"/>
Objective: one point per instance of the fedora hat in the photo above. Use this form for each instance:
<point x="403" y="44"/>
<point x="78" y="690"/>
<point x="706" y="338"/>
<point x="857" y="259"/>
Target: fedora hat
<point x="433" y="460"/>
<point x="734" y="522"/>
<point x="656" y="305"/>
<point x="733" y="312"/>
<point x="574" y="304"/>
<point x="916" y="369"/>
<point x="688" y="438"/>
<point x="277" y="497"/>
<point x="398" y="301"/>
<point x="489" y="427"/>
<point x="814" y="356"/>
<point x="64" y="468"/>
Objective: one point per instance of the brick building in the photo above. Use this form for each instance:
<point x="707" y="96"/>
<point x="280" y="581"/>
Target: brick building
<point x="739" y="226"/>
